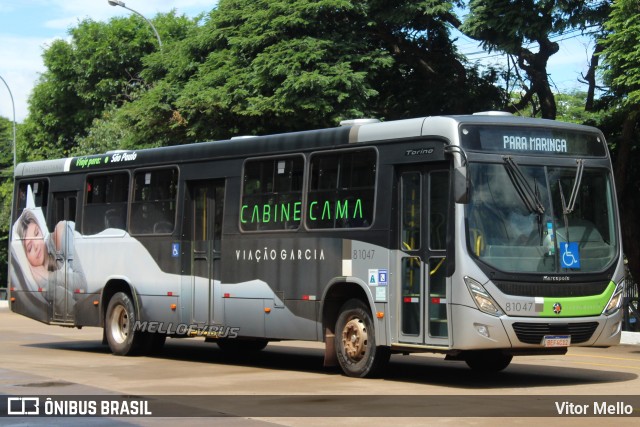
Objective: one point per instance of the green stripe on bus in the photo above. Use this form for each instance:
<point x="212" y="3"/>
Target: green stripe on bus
<point x="577" y="306"/>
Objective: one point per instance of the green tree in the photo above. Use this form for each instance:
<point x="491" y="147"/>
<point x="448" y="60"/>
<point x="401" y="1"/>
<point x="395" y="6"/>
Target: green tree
<point x="280" y="66"/>
<point x="512" y="26"/>
<point x="571" y="108"/>
<point x="428" y="75"/>
<point x="98" y="68"/>
<point x="6" y="187"/>
<point x="273" y="66"/>
<point x="621" y="72"/>
<point x="251" y="67"/>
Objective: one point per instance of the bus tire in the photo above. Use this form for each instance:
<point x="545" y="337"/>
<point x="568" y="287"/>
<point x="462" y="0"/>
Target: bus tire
<point x="487" y="361"/>
<point x="355" y="342"/>
<point x="119" y="324"/>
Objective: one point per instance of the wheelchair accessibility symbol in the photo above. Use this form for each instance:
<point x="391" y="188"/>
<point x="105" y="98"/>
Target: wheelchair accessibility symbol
<point x="569" y="255"/>
<point x="175" y="250"/>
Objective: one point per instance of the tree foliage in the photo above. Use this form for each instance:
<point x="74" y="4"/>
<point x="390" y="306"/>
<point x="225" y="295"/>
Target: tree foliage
<point x="99" y="68"/>
<point x="274" y="66"/>
<point x="251" y="67"/>
<point x="513" y="26"/>
<point x="6" y="188"/>
<point x="280" y="66"/>
<point x="571" y="108"/>
<point x="622" y="53"/>
<point x="621" y="61"/>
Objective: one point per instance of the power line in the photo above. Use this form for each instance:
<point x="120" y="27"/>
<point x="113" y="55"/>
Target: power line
<point x="530" y="46"/>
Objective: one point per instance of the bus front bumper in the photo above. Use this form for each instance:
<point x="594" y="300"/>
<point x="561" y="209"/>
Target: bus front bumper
<point x="483" y="331"/>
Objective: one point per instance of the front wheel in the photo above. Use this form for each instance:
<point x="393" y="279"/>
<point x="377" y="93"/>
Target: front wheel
<point x="355" y="342"/>
<point x="119" y="326"/>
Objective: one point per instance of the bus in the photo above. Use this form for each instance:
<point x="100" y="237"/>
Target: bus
<point x="479" y="237"/>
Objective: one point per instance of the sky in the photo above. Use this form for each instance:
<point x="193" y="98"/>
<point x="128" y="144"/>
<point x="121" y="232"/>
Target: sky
<point x="27" y="28"/>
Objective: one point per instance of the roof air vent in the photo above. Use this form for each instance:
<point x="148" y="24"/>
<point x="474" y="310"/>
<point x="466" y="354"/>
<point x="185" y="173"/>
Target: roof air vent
<point x="492" y="113"/>
<point x="354" y="122"/>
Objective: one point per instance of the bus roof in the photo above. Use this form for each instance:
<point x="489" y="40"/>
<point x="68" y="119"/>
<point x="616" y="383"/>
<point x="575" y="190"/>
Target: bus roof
<point x="281" y="143"/>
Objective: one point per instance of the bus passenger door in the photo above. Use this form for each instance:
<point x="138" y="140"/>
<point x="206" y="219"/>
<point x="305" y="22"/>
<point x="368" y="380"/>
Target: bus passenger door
<point x="69" y="279"/>
<point x="424" y="195"/>
<point x="205" y="211"/>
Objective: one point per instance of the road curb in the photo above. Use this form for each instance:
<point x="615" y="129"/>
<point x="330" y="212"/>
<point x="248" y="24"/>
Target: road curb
<point x="630" y="338"/>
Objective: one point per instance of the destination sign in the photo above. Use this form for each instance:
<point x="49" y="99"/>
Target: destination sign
<point x="116" y="158"/>
<point x="523" y="140"/>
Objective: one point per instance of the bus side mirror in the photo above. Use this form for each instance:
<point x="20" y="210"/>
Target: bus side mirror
<point x="461" y="185"/>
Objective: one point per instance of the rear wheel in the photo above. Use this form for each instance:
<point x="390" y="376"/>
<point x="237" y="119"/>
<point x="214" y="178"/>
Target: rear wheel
<point x="487" y="361"/>
<point x="355" y="342"/>
<point x="119" y="324"/>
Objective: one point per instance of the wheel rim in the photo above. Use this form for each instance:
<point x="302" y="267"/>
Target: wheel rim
<point x="119" y="324"/>
<point x="355" y="339"/>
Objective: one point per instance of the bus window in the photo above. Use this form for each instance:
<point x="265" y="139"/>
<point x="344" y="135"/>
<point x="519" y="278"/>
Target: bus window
<point x="105" y="203"/>
<point x="39" y="189"/>
<point x="64" y="206"/>
<point x="411" y="295"/>
<point x="411" y="210"/>
<point x="272" y="194"/>
<point x="153" y="210"/>
<point x="438" y="197"/>
<point x="342" y="190"/>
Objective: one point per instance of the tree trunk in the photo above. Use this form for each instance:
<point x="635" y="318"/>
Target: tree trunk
<point x="535" y="65"/>
<point x="590" y="78"/>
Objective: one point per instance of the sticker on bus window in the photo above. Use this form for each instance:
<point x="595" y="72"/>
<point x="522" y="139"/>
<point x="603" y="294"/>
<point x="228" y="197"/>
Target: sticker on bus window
<point x="569" y="255"/>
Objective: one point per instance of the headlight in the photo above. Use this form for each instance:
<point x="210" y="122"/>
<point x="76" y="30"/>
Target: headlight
<point x="483" y="300"/>
<point x="616" y="300"/>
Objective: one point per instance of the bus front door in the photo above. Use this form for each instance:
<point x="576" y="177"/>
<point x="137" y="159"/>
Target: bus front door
<point x="424" y="195"/>
<point x="205" y="215"/>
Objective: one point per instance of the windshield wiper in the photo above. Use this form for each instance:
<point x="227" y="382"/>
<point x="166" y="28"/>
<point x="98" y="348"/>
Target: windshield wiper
<point x="529" y="197"/>
<point x="568" y="208"/>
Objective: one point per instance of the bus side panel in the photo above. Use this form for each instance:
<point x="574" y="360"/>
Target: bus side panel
<point x="294" y="268"/>
<point x="158" y="308"/>
<point x="258" y="311"/>
<point x="283" y="277"/>
<point x="29" y="301"/>
<point x="113" y="255"/>
<point x="247" y="314"/>
<point x="292" y="321"/>
<point x="87" y="311"/>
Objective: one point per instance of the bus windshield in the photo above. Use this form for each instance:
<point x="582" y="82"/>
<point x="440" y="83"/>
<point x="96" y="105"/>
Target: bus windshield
<point x="541" y="219"/>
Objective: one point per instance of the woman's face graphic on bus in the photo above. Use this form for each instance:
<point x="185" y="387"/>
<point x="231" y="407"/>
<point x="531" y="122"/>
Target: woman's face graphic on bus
<point x="34" y="245"/>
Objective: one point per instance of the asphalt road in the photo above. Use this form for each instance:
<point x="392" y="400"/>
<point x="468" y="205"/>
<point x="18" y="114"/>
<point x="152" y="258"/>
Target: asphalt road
<point x="285" y="384"/>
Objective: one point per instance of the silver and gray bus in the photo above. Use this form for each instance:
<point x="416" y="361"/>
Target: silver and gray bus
<point x="479" y="237"/>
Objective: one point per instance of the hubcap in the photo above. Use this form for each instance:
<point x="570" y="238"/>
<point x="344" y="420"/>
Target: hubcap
<point x="355" y="339"/>
<point x="119" y="324"/>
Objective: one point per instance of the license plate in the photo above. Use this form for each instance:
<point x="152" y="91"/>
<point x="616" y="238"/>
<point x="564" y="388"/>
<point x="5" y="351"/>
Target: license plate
<point x="556" y="340"/>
